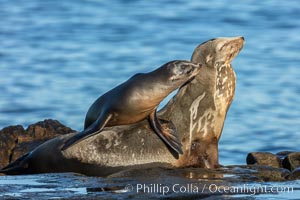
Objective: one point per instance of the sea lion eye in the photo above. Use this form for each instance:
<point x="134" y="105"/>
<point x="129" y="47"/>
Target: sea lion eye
<point x="189" y="71"/>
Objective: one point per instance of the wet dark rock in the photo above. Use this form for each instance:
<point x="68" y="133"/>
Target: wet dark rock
<point x="291" y="161"/>
<point x="228" y="173"/>
<point x="283" y="154"/>
<point x="269" y="173"/>
<point x="263" y="158"/>
<point x="230" y="182"/>
<point x="295" y="174"/>
<point x="16" y="141"/>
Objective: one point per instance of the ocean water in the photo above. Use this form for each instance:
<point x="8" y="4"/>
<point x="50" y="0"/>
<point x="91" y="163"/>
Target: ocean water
<point x="57" y="57"/>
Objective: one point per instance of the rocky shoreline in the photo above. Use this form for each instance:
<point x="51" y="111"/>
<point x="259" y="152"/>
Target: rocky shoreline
<point x="16" y="141"/>
<point x="262" y="168"/>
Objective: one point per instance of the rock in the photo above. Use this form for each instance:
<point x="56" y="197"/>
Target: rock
<point x="8" y="141"/>
<point x="291" y="161"/>
<point x="282" y="154"/>
<point x="229" y="173"/>
<point x="263" y="158"/>
<point x="15" y="141"/>
<point x="269" y="173"/>
<point x="295" y="174"/>
<point x="47" y="129"/>
<point x="285" y="159"/>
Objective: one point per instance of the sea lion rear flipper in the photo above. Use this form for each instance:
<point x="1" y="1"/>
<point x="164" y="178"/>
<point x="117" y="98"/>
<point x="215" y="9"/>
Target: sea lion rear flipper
<point x="94" y="129"/>
<point x="169" y="136"/>
<point x="19" y="166"/>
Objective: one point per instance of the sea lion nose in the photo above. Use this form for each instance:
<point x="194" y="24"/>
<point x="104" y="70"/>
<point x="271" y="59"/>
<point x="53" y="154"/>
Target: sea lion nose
<point x="242" y="38"/>
<point x="198" y="65"/>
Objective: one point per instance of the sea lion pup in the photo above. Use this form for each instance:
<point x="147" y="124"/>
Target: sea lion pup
<point x="137" y="99"/>
<point x="198" y="111"/>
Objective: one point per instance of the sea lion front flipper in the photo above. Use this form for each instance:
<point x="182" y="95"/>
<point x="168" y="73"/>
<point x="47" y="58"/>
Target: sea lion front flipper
<point x="169" y="136"/>
<point x="95" y="128"/>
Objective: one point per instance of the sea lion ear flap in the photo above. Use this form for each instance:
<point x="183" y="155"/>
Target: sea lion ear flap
<point x="202" y="51"/>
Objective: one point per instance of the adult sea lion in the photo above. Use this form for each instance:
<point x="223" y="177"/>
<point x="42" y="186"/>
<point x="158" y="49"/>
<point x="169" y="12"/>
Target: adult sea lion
<point x="198" y="111"/>
<point x="137" y="99"/>
<point x="209" y="97"/>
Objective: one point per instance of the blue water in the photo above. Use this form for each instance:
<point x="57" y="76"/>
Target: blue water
<point x="57" y="57"/>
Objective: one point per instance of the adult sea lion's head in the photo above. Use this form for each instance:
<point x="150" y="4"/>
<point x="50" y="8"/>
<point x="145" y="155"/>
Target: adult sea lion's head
<point x="218" y="51"/>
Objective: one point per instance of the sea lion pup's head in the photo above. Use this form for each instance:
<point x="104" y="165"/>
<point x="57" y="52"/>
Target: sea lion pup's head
<point x="218" y="51"/>
<point x="178" y="72"/>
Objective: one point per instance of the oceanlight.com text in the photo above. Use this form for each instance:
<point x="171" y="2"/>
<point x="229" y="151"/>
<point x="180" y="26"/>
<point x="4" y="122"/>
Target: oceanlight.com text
<point x="207" y="188"/>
